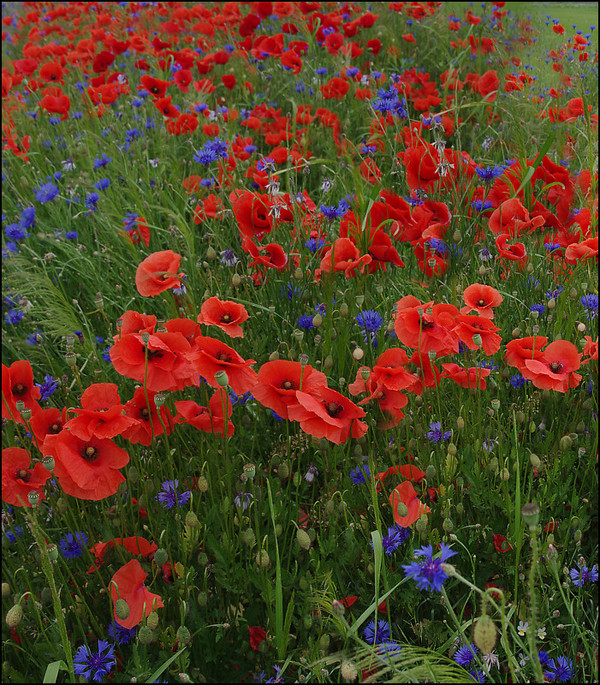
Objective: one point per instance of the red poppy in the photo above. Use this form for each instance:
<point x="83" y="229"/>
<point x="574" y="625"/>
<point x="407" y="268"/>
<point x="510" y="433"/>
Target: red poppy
<point x="579" y="252"/>
<point x="158" y="273"/>
<point x="277" y="382"/>
<point x="487" y="85"/>
<point x="513" y="219"/>
<point x="469" y="325"/>
<point x="168" y="365"/>
<point x="147" y="423"/>
<point x="18" y="480"/>
<point x="100" y="414"/>
<point x="473" y="377"/>
<point x="514" y="253"/>
<point x="17" y="385"/>
<point x="521" y="349"/>
<point x="501" y="544"/>
<point x="212" y="355"/>
<point x="225" y="314"/>
<point x="154" y="86"/>
<point x="328" y="414"/>
<point x="344" y="256"/>
<point x="46" y="424"/>
<point x="555" y="368"/>
<point x="139" y="232"/>
<point x="406" y="493"/>
<point x="257" y="636"/>
<point x="335" y="88"/>
<point x="128" y="584"/>
<point x="134" y="545"/>
<point x="209" y="419"/>
<point x="88" y="469"/>
<point x="52" y="72"/>
<point x="134" y="322"/>
<point x="481" y="298"/>
<point x="251" y="212"/>
<point x="425" y="326"/>
<point x="349" y="601"/>
<point x="590" y="350"/>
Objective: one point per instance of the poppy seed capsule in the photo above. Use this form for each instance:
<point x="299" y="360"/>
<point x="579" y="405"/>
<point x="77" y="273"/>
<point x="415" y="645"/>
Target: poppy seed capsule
<point x="34" y="497"/>
<point x="211" y="254"/>
<point x="121" y="609"/>
<point x="48" y="463"/>
<point x="222" y="378"/>
<point x="14" y="616"/>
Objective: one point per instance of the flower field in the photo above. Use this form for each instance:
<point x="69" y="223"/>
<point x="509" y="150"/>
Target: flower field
<point x="300" y="343"/>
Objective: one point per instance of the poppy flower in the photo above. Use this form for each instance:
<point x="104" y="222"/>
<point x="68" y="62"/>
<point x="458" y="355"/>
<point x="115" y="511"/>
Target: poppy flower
<point x="579" y="252"/>
<point x="46" y="424"/>
<point x="501" y="544"/>
<point x="128" y="584"/>
<point x="158" y="273"/>
<point x="555" y="368"/>
<point x="277" y="382"/>
<point x="406" y="493"/>
<point x="147" y="423"/>
<point x="134" y="322"/>
<point x="328" y="414"/>
<point x="521" y="349"/>
<point x="88" y="469"/>
<point x="225" y="314"/>
<point x="482" y="299"/>
<point x="469" y="325"/>
<point x="590" y="350"/>
<point x="514" y="253"/>
<point x="251" y="212"/>
<point x="212" y="355"/>
<point x="134" y="545"/>
<point x="17" y="385"/>
<point x="18" y="479"/>
<point x="209" y="419"/>
<point x="257" y="636"/>
<point x="487" y="85"/>
<point x="344" y="256"/>
<point x="100" y="414"/>
<point x="513" y="219"/>
<point x="473" y="377"/>
<point x="425" y="326"/>
<point x="168" y="365"/>
<point x="156" y="87"/>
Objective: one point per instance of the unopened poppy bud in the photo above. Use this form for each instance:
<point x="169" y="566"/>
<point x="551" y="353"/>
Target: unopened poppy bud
<point x="202" y="598"/>
<point x="284" y="470"/>
<point x="565" y="442"/>
<point x="236" y="280"/>
<point x="531" y="514"/>
<point x="348" y="671"/>
<point x="520" y="417"/>
<point x="298" y="274"/>
<point x="152" y="620"/>
<point x="484" y="634"/>
<point x="460" y="509"/>
<point x="344" y="310"/>
<point x="430" y="472"/>
<point x="52" y="552"/>
<point x="122" y="609"/>
<point x="145" y="635"/>
<point x="577" y="535"/>
<point x="34" y="497"/>
<point x="328" y="362"/>
<point x="5" y="590"/>
<point x="161" y="557"/>
<point x="535" y="461"/>
<point x="452" y="449"/>
<point x="183" y="637"/>
<point x="48" y="463"/>
<point x="324" y="642"/>
<point x="222" y="378"/>
<point x="249" y="537"/>
<point x="573" y="293"/>
<point x="303" y="539"/>
<point x="202" y="484"/>
<point x="552" y="553"/>
<point x="447" y="525"/>
<point x="482" y="271"/>
<point x="421" y="524"/>
<point x="457" y="236"/>
<point x="14" y="616"/>
<point x="317" y="320"/>
<point x="493" y="465"/>
<point x="191" y="520"/>
<point x="516" y="333"/>
<point x="263" y="559"/>
<point x="505" y="475"/>
<point x="460" y="423"/>
<point x="530" y="268"/>
<point x="211" y="254"/>
<point x="358" y="353"/>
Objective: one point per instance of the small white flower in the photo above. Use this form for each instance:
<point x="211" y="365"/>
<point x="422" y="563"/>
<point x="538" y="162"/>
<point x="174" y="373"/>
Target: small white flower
<point x="491" y="659"/>
<point x="541" y="633"/>
<point x="522" y="628"/>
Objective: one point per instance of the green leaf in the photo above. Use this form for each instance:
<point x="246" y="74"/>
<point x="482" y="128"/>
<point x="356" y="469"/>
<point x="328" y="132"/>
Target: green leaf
<point x="52" y="671"/>
<point x="154" y="677"/>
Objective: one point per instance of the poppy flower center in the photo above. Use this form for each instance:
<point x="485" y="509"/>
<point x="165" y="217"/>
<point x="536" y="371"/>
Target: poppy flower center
<point x="19" y="389"/>
<point x="288" y="385"/>
<point x="144" y="413"/>
<point x="154" y="354"/>
<point x="154" y="90"/>
<point x="226" y="318"/>
<point x="334" y="409"/>
<point x="54" y="428"/>
<point x="90" y="453"/>
<point x="426" y="324"/>
<point x="24" y="475"/>
<point x="556" y="367"/>
<point x="481" y="303"/>
<point x="223" y="357"/>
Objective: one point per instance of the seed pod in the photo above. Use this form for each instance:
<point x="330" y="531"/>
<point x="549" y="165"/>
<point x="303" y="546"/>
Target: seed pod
<point x="145" y="635"/>
<point x="183" y="636"/>
<point x="152" y="620"/>
<point x="303" y="539"/>
<point x="191" y="520"/>
<point x="263" y="559"/>
<point x="14" y="616"/>
<point x="249" y="537"/>
<point x="485" y="634"/>
<point x="122" y="609"/>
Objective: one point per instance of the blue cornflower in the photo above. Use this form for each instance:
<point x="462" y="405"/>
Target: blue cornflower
<point x="562" y="669"/>
<point x="46" y="193"/>
<point x="13" y="316"/>
<point x="478" y="676"/>
<point x="320" y="71"/>
<point x="379" y="634"/>
<point x="482" y="205"/>
<point x="15" y="232"/>
<point x="395" y="537"/>
<point x="122" y="636"/>
<point x="28" y="217"/>
<point x="239" y="399"/>
<point x="71" y="235"/>
<point x="314" y="244"/>
<point x="102" y="184"/>
<point x="276" y="416"/>
<point x="102" y="161"/>
<point x="583" y="574"/>
<point x="48" y="387"/>
<point x="429" y="573"/>
<point x="553" y="294"/>
<point x="34" y="338"/>
<point x="539" y="308"/>
<point x="95" y="665"/>
<point x="551" y="247"/>
<point x="438" y="245"/>
<point x="169" y="497"/>
<point x="387" y="649"/>
<point x="360" y="474"/>
<point x="72" y="545"/>
<point x="370" y="320"/>
<point x="265" y="164"/>
<point x="590" y="302"/>
<point x="489" y="174"/>
<point x="11" y="534"/>
<point x="465" y="655"/>
<point x="436" y="434"/>
<point x="517" y="381"/>
<point x="305" y="321"/>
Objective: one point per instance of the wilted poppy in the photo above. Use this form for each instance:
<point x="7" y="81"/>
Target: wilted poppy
<point x="17" y="385"/>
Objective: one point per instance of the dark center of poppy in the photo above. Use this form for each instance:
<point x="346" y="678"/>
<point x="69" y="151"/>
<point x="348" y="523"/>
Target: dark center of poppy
<point x="154" y="90"/>
<point x="288" y="385"/>
<point x="556" y="367"/>
<point x="24" y="475"/>
<point x="19" y="389"/>
<point x="144" y="413"/>
<point x="154" y="354"/>
<point x="261" y="216"/>
<point x="426" y="324"/>
<point x="226" y="318"/>
<point x="90" y="453"/>
<point x="334" y="409"/>
<point x="223" y="357"/>
<point x="55" y="428"/>
<point x="481" y="303"/>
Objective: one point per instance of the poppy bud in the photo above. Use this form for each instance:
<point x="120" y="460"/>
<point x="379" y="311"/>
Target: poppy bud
<point x="307" y="621"/>
<point x="344" y="310"/>
<point x="249" y="538"/>
<point x="520" y="417"/>
<point x="421" y="524"/>
<point x="452" y="449"/>
<point x="284" y="470"/>
<point x="482" y="271"/>
<point x="14" y="616"/>
<point x="236" y="280"/>
<point x="535" y="461"/>
<point x="145" y="635"/>
<point x="211" y="254"/>
<point x="183" y="637"/>
<point x="565" y="442"/>
<point x="222" y="378"/>
<point x="317" y="320"/>
<point x="457" y="236"/>
<point x="122" y="609"/>
<point x="484" y="634"/>
<point x="263" y="559"/>
<point x="303" y="539"/>
<point x="460" y="423"/>
<point x="460" y="509"/>
<point x="493" y="465"/>
<point x="298" y="274"/>
<point x="5" y="590"/>
<point x="152" y="620"/>
<point x="505" y="475"/>
<point x="430" y="472"/>
<point x="337" y="608"/>
<point x="324" y="642"/>
<point x="202" y="598"/>
<point x="573" y="293"/>
<point x="191" y="520"/>
<point x="447" y="525"/>
<point x="161" y="557"/>
<point x="577" y="535"/>
<point x="358" y="353"/>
